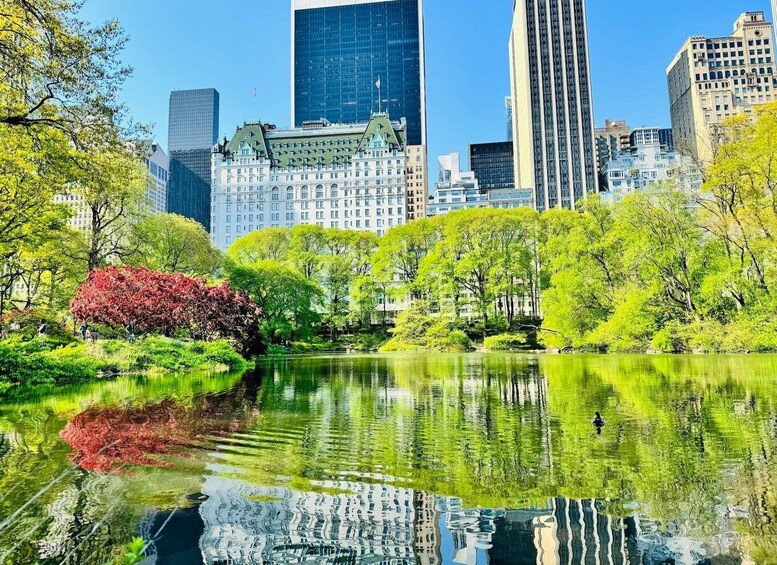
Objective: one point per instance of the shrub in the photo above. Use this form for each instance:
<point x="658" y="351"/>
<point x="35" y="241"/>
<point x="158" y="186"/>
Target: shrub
<point x="41" y="369"/>
<point x="276" y="350"/>
<point x="458" y="341"/>
<point x="169" y="304"/>
<point x="28" y="322"/>
<point x="505" y="342"/>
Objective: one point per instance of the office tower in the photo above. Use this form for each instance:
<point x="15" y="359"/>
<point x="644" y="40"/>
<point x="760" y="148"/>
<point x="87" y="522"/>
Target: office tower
<point x="417" y="182"/>
<point x="493" y="165"/>
<point x="158" y="168"/>
<point x="351" y="58"/>
<point x="349" y="176"/>
<point x="193" y="130"/>
<point x="711" y="79"/>
<point x="613" y="138"/>
<point x="509" y="115"/>
<point x="553" y="126"/>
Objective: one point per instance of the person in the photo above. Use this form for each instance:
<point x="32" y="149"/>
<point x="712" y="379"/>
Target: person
<point x="84" y="331"/>
<point x="43" y="328"/>
<point x="130" y="328"/>
<point x="598" y="423"/>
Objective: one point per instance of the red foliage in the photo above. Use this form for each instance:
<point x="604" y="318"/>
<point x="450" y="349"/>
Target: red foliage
<point x="166" y="303"/>
<point x="105" y="439"/>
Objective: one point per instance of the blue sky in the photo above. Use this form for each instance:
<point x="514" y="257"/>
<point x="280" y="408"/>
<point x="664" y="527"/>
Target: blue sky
<point x="234" y="46"/>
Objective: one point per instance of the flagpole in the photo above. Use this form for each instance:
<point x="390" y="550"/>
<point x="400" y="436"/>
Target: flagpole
<point x="253" y="92"/>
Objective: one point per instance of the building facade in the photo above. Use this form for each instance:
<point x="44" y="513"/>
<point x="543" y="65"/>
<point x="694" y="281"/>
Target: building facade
<point x="159" y="169"/>
<point x="509" y="115"/>
<point x="460" y="190"/>
<point x="553" y="125"/>
<point x="712" y="79"/>
<point x="334" y="176"/>
<point x="417" y="182"/>
<point x="351" y="58"/>
<point x="193" y="130"/>
<point x="613" y="138"/>
<point x="650" y="159"/>
<point x="493" y="165"/>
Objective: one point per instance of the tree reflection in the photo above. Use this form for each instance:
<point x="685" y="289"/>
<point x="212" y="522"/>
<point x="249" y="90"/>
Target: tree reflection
<point x="108" y="438"/>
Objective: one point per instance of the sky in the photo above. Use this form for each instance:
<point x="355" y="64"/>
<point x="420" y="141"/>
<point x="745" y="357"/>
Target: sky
<point x="236" y="46"/>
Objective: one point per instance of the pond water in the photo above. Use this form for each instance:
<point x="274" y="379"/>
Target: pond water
<point x="426" y="459"/>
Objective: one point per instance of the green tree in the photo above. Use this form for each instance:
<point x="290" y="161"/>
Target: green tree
<point x="109" y="184"/>
<point x="269" y="243"/>
<point x="286" y="297"/>
<point x="59" y="72"/>
<point x="174" y="244"/>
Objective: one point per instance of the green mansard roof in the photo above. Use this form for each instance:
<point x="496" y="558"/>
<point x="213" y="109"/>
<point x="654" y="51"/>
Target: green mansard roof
<point x="312" y="146"/>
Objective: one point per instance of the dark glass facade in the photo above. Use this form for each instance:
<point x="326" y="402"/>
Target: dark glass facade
<point x="193" y="130"/>
<point x="493" y="165"/>
<point x="339" y="53"/>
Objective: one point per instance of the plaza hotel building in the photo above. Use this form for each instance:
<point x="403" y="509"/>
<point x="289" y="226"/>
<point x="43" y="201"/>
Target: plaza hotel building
<point x="347" y="176"/>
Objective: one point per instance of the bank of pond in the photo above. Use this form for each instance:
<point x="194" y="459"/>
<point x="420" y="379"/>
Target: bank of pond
<point x="493" y="457"/>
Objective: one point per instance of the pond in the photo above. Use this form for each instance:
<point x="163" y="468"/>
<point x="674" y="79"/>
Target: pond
<point x="426" y="459"/>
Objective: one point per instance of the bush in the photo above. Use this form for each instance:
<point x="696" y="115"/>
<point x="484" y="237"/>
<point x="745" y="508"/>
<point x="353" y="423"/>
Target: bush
<point x="168" y="304"/>
<point x="40" y="369"/>
<point x="457" y="341"/>
<point x="28" y="322"/>
<point x="276" y="350"/>
<point x="420" y="332"/>
<point x="79" y="362"/>
<point x="505" y="342"/>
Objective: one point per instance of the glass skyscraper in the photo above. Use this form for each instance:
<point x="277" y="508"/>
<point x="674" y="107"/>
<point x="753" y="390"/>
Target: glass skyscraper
<point x="193" y="129"/>
<point x="492" y="164"/>
<point x="342" y="48"/>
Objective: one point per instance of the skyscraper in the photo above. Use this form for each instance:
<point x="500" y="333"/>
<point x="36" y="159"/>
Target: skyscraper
<point x="712" y="79"/>
<point x="553" y="126"/>
<point x="193" y="130"/>
<point x="351" y="58"/>
<point x="492" y="164"/>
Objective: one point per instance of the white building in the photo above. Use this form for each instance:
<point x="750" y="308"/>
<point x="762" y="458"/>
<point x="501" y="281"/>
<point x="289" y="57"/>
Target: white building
<point x="460" y="190"/>
<point x="334" y="176"/>
<point x="650" y="160"/>
<point x="159" y="168"/>
<point x="712" y="79"/>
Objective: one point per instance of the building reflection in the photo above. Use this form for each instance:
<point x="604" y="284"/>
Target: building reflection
<point x="355" y="523"/>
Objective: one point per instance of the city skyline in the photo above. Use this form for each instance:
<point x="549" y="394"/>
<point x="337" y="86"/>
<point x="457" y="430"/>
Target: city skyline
<point x="451" y="64"/>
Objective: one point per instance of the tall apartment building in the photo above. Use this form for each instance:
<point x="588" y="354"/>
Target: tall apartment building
<point x="349" y="176"/>
<point x="159" y="169"/>
<point x="611" y="140"/>
<point x="493" y="165"/>
<point x="351" y="58"/>
<point x="417" y="182"/>
<point x="711" y="79"/>
<point x="193" y="129"/>
<point x="553" y="125"/>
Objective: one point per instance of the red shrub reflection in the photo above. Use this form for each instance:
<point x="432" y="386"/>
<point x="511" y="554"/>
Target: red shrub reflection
<point x="107" y="438"/>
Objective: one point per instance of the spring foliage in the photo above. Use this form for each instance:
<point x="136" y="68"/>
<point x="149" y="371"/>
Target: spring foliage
<point x="167" y="304"/>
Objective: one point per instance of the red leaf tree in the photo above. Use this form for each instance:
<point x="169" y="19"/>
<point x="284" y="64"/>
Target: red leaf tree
<point x="166" y="303"/>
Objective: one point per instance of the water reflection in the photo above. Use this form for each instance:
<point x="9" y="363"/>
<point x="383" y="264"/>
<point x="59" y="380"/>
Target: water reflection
<point x="403" y="459"/>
